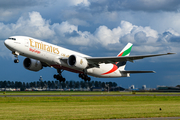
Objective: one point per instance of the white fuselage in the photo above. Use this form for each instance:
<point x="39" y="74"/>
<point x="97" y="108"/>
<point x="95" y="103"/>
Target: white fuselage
<point x="52" y="55"/>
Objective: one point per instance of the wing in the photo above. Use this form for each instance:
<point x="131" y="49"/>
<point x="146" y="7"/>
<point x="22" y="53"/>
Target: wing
<point x="97" y="60"/>
<point x="137" y="71"/>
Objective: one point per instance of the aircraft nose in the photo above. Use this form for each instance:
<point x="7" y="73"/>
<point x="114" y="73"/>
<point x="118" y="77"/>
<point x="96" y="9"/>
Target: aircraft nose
<point x="8" y="44"/>
<point x="5" y="42"/>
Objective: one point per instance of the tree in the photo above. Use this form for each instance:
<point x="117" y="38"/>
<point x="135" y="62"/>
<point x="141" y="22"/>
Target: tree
<point x="114" y="84"/>
<point x="92" y="83"/>
<point x="53" y="84"/>
<point x="18" y="84"/>
<point x="4" y="84"/>
<point x="49" y="84"/>
<point x="32" y="84"/>
<point x="37" y="84"/>
<point x="99" y="84"/>
<point x="23" y="86"/>
<point x="96" y="84"/>
<point x="63" y="85"/>
<point x="77" y="84"/>
<point x="45" y="84"/>
<point x="89" y="84"/>
<point x="56" y="84"/>
<point x="12" y="84"/>
<point x="103" y="85"/>
<point x="67" y="84"/>
<point x="82" y="84"/>
<point x="27" y="85"/>
<point x="110" y="84"/>
<point x="8" y="84"/>
<point x="71" y="84"/>
<point x="41" y="84"/>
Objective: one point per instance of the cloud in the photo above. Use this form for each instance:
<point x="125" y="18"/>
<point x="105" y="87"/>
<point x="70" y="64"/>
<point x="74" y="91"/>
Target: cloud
<point x="78" y="22"/>
<point x="11" y="10"/>
<point x="14" y="4"/>
<point x="145" y="39"/>
<point x="80" y="2"/>
<point x="135" y="5"/>
<point x="4" y="52"/>
<point x="106" y="36"/>
<point x="34" y="25"/>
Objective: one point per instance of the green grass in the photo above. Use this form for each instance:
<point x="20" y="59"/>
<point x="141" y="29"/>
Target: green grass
<point x="76" y="93"/>
<point x="84" y="107"/>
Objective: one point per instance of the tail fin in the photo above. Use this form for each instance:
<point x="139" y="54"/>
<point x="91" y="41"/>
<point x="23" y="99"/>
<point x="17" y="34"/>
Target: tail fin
<point x="125" y="52"/>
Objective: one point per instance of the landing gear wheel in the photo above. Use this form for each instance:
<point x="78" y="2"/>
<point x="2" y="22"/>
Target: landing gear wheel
<point x="61" y="79"/>
<point x="59" y="76"/>
<point x="89" y="79"/>
<point x="16" y="54"/>
<point x="16" y="61"/>
<point x="84" y="77"/>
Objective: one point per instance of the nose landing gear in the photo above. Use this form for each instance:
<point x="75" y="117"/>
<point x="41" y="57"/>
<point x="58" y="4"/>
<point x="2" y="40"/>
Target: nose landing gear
<point x="16" y="54"/>
<point x="16" y="60"/>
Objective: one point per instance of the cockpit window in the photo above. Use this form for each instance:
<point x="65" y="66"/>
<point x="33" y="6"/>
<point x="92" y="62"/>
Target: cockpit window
<point x="12" y="38"/>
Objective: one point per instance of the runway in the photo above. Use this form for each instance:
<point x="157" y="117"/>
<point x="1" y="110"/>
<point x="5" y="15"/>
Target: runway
<point x="89" y="95"/>
<point x="159" y="118"/>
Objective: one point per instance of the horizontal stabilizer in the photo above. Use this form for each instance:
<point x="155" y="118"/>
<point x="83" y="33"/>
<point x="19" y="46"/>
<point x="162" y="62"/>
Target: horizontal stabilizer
<point x="137" y="71"/>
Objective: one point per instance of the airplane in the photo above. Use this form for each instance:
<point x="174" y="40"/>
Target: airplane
<point x="41" y="54"/>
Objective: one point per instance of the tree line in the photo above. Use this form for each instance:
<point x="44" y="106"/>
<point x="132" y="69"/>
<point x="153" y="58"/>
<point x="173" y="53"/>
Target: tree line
<point x="56" y="84"/>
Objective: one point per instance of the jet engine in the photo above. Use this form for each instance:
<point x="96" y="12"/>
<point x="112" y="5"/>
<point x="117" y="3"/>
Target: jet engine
<point x="77" y="61"/>
<point x="33" y="65"/>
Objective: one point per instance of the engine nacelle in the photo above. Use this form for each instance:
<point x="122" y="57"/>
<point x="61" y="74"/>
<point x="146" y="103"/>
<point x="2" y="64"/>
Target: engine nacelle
<point x="33" y="65"/>
<point x="77" y="61"/>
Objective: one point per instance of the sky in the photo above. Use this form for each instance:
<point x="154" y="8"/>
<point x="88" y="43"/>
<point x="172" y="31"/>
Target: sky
<point x="98" y="28"/>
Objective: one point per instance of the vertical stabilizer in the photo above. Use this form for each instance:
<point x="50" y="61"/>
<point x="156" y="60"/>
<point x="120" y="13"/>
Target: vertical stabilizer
<point x="125" y="52"/>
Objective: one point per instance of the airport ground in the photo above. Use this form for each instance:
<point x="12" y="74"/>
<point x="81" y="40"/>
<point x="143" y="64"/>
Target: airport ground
<point x="88" y="105"/>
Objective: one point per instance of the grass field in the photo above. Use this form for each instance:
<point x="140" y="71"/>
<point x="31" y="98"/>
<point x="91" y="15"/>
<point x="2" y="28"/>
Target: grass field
<point x="77" y="93"/>
<point x="85" y="107"/>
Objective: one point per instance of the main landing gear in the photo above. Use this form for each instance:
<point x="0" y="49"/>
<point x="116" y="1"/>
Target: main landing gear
<point x="59" y="76"/>
<point x="16" y="54"/>
<point x="84" y="76"/>
<point x="61" y="79"/>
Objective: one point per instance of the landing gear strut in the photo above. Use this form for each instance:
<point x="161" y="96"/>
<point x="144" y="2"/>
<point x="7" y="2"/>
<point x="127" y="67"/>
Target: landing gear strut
<point x="16" y="54"/>
<point x="59" y="76"/>
<point x="84" y="76"/>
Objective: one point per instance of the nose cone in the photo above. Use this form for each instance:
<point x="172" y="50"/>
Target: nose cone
<point x="8" y="44"/>
<point x="5" y="42"/>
